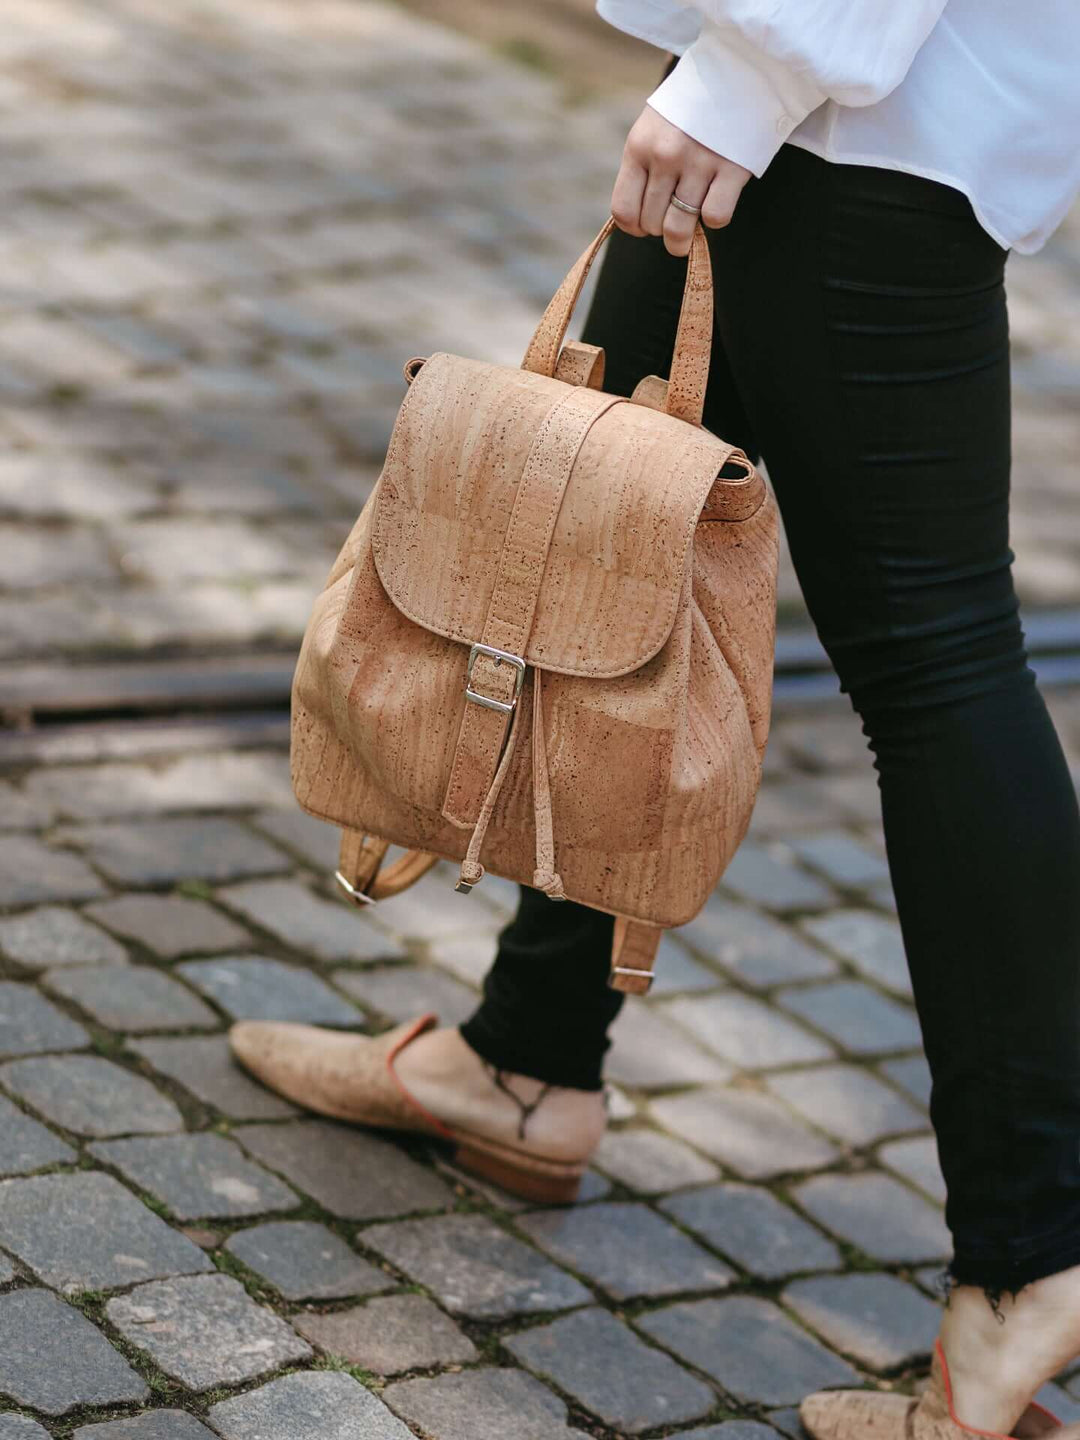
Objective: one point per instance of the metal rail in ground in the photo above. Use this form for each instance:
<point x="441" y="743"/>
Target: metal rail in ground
<point x="79" y="712"/>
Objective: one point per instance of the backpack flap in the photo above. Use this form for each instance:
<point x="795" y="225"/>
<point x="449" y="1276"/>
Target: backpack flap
<point x="622" y="538"/>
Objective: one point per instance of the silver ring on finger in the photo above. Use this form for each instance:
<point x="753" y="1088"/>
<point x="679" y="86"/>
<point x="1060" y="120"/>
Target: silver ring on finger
<point x="684" y="207"/>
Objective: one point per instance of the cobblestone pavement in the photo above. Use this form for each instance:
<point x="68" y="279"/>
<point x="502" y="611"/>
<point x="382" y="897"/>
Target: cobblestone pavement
<point x="223" y="229"/>
<point x="212" y="273"/>
<point x="180" y="1249"/>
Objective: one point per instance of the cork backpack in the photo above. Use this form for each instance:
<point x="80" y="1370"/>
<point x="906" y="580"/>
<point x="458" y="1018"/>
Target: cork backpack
<point x="546" y="647"/>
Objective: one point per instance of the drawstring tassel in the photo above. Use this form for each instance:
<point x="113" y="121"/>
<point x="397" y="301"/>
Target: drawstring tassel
<point x="545" y="878"/>
<point x="472" y="872"/>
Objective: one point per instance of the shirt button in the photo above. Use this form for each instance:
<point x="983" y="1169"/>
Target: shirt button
<point x="783" y="125"/>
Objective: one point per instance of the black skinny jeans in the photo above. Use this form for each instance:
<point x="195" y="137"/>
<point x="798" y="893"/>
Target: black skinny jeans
<point x="861" y="347"/>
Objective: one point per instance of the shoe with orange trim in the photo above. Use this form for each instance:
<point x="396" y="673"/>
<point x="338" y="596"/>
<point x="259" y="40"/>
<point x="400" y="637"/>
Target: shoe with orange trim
<point x="533" y="1148"/>
<point x="876" y="1415"/>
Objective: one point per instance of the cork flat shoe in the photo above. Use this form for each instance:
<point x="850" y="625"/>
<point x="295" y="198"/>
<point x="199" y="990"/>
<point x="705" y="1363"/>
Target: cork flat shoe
<point x="876" y="1415"/>
<point x="352" y="1077"/>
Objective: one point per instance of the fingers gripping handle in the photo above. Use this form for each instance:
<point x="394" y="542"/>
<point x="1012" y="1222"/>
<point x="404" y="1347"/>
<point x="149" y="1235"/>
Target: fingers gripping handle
<point x="693" y="339"/>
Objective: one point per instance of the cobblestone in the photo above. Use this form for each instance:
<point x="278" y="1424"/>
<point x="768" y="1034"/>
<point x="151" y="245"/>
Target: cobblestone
<point x="750" y="1347"/>
<point x="749" y="1133"/>
<point x="911" y="1074"/>
<point x="883" y="1218"/>
<point x="352" y="1174"/>
<point x="153" y="1425"/>
<point x="401" y="992"/>
<point x="871" y="942"/>
<point x="390" y="1336"/>
<point x="169" y="925"/>
<point x="25" y="1145"/>
<point x="757" y="875"/>
<point x="876" y="1319"/>
<point x="314" y="1406"/>
<point x="33" y="557"/>
<point x="20" y="1427"/>
<point x="917" y="1161"/>
<point x="788" y="1423"/>
<point x="848" y="1102"/>
<point x="651" y="1162"/>
<point x="731" y="1430"/>
<point x="162" y="852"/>
<point x="204" y="1066"/>
<point x="485" y="1404"/>
<point x="608" y="1370"/>
<point x="252" y="987"/>
<point x="841" y="858"/>
<point x="626" y="1249"/>
<point x="648" y="1053"/>
<point x="746" y="1032"/>
<point x="322" y="928"/>
<point x="431" y="911"/>
<point x="86" y="1232"/>
<point x="755" y="947"/>
<point x="312" y="840"/>
<point x="204" y="1330"/>
<point x="53" y="1359"/>
<point x="753" y="1228"/>
<point x="19" y="812"/>
<point x="90" y="1096"/>
<point x="199" y="379"/>
<point x="306" y="1261"/>
<point x="46" y="938"/>
<point x="199" y="1177"/>
<point x="31" y="872"/>
<point x="29" y="1024"/>
<point x="856" y="1017"/>
<point x="677" y="972"/>
<point x="468" y="957"/>
<point x="135" y="998"/>
<point x="474" y="1268"/>
<point x="795" y="804"/>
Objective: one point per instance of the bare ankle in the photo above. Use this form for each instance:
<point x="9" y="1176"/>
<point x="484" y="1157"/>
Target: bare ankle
<point x="1001" y="1348"/>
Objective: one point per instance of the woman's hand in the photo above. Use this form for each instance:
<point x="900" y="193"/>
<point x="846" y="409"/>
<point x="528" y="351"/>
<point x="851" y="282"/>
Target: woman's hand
<point x="660" y="161"/>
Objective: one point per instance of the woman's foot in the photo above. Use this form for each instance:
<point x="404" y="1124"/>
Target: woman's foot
<point x="989" y="1363"/>
<point x="999" y="1357"/>
<point x="530" y="1138"/>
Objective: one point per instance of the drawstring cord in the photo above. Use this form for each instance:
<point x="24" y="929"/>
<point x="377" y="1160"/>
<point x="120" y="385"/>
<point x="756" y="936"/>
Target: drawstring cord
<point x="545" y="877"/>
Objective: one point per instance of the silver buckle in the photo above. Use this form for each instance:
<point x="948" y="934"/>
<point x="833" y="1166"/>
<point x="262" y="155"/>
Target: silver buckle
<point x="356" y="896"/>
<point x="505" y="707"/>
<point x="648" y="975"/>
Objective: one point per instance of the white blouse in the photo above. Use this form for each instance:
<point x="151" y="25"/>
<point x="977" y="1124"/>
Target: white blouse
<point x="983" y="95"/>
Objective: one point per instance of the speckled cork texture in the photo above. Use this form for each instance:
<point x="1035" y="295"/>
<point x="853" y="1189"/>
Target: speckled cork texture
<point x="858" y="1414"/>
<point x="597" y="539"/>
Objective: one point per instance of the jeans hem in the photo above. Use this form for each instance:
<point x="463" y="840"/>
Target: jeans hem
<point x="1006" y="1277"/>
<point x="566" y="1074"/>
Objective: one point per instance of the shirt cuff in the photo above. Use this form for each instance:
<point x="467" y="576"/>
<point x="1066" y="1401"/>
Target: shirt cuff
<point x="734" y="99"/>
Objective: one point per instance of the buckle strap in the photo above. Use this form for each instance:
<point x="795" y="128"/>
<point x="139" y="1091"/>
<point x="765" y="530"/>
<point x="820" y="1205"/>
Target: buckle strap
<point x="505" y="707"/>
<point x="633" y="954"/>
<point x="495" y="667"/>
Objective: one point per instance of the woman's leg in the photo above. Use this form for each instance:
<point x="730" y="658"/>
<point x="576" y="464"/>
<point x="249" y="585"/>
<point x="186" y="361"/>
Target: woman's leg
<point x="863" y="314"/>
<point x="547" y="1004"/>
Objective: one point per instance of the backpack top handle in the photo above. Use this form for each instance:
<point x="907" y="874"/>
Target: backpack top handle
<point x="693" y="340"/>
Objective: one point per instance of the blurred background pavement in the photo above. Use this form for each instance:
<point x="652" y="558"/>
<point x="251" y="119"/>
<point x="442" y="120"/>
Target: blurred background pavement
<point x="223" y="228"/>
